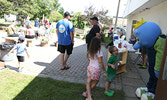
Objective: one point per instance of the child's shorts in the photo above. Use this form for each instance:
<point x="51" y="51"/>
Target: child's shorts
<point x="93" y="73"/>
<point x="20" y="58"/>
<point x="111" y="74"/>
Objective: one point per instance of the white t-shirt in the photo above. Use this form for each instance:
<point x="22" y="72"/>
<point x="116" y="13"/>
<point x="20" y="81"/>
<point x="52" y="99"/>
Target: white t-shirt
<point x="30" y="32"/>
<point x="94" y="62"/>
<point x="21" y="47"/>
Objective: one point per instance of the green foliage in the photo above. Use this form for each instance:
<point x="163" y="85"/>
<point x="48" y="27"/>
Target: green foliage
<point x="53" y="4"/>
<point x="42" y="9"/>
<point x="106" y="27"/>
<point x="5" y="23"/>
<point x="61" y="10"/>
<point x="44" y="39"/>
<point x="5" y="7"/>
<point x="78" y="20"/>
<point x="111" y="20"/>
<point x="77" y="35"/>
<point x="104" y="20"/>
<point x="18" y="7"/>
<point x="54" y="30"/>
<point x="31" y="8"/>
<point x="107" y="40"/>
<point x="55" y="16"/>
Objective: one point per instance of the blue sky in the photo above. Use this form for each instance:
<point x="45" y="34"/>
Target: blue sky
<point x="80" y="5"/>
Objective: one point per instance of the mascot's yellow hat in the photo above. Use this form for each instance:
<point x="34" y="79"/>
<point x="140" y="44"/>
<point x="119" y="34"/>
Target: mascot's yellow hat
<point x="139" y="23"/>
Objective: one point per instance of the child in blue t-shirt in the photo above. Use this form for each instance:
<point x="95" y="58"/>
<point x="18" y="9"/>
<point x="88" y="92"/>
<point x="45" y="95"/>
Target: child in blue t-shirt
<point x="111" y="70"/>
<point x="21" y="49"/>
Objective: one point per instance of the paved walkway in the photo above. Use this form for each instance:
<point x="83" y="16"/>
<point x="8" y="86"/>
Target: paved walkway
<point x="44" y="62"/>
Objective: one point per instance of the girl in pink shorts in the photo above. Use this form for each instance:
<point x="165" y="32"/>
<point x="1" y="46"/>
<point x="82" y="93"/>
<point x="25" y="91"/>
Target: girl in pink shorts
<point x="95" y="56"/>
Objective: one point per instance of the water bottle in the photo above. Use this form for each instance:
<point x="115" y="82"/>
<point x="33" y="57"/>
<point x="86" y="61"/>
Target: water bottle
<point x="116" y="40"/>
<point x="120" y="45"/>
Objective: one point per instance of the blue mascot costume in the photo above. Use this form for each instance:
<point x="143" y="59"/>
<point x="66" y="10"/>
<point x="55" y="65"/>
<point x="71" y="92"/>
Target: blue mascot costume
<point x="151" y="37"/>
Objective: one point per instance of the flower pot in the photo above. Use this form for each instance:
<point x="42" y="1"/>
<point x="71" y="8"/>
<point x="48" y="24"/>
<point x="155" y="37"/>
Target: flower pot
<point x="43" y="44"/>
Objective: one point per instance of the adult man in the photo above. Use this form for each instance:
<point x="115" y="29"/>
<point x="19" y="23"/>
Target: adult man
<point x="65" y="39"/>
<point x="36" y="22"/>
<point x="11" y="30"/>
<point x="95" y="31"/>
<point x="27" y="22"/>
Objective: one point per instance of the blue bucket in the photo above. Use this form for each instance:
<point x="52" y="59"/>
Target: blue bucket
<point x="4" y="56"/>
<point x="115" y="38"/>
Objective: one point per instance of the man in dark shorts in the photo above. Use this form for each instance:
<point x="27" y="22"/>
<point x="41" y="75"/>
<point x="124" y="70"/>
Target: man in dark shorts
<point x="65" y="39"/>
<point x="95" y="31"/>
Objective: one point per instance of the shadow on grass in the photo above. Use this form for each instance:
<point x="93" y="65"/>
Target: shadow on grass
<point x="48" y="89"/>
<point x="38" y="88"/>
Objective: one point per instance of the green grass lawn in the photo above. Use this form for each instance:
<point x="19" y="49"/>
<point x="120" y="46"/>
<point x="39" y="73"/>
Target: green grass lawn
<point x="5" y="23"/>
<point x="16" y="86"/>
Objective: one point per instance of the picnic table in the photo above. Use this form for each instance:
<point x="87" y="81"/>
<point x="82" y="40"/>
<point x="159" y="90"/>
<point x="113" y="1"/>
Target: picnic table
<point x="15" y="39"/>
<point x="11" y="39"/>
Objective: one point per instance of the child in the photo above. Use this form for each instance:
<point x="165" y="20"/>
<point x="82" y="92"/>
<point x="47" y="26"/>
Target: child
<point x="93" y="70"/>
<point x="30" y="32"/>
<point x="111" y="70"/>
<point x="21" y="49"/>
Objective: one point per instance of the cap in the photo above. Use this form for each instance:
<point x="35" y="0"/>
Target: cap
<point x="21" y="38"/>
<point x="28" y="17"/>
<point x="94" y="18"/>
<point x="67" y="14"/>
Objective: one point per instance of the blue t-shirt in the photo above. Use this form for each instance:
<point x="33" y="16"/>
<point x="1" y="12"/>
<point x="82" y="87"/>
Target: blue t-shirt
<point x="27" y="22"/>
<point x="21" y="47"/>
<point x="64" y="27"/>
<point x="36" y="23"/>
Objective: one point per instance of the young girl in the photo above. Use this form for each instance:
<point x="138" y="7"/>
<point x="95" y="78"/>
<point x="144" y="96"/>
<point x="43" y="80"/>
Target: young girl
<point x="95" y="56"/>
<point x="21" y="49"/>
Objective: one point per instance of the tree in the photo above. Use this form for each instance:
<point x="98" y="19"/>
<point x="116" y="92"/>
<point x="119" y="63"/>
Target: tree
<point x="101" y="14"/>
<point x="55" y="16"/>
<point x="61" y="10"/>
<point x="78" y="21"/>
<point x="56" y="4"/>
<point x="6" y="7"/>
<point x="18" y="7"/>
<point x="32" y="8"/>
<point x="90" y="12"/>
<point x="42" y="9"/>
<point x="104" y="21"/>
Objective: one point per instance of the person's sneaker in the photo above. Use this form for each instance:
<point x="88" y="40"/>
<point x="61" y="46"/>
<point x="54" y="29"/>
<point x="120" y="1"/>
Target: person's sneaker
<point x="148" y="96"/>
<point x="140" y="91"/>
<point x="2" y="69"/>
<point x="140" y="64"/>
<point x="111" y="91"/>
<point x="84" y="94"/>
<point x="108" y="94"/>
<point x="143" y="67"/>
<point x="19" y="70"/>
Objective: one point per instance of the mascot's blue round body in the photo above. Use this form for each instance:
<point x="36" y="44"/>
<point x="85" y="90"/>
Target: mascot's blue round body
<point x="151" y="37"/>
<point x="147" y="34"/>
